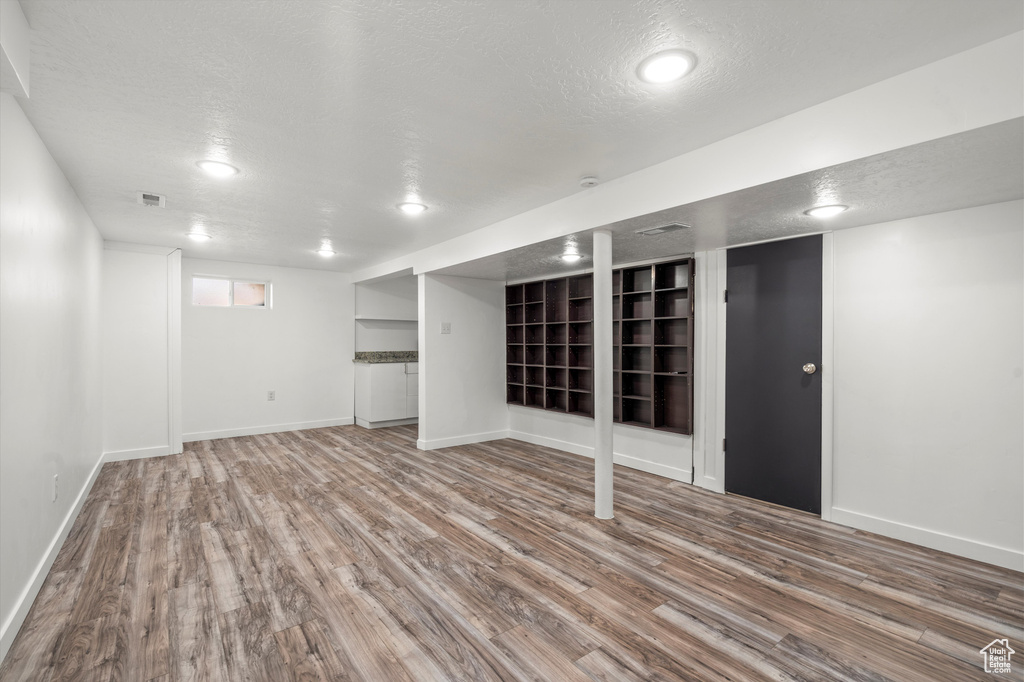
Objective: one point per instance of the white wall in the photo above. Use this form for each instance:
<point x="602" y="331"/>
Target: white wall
<point x="386" y="314"/>
<point x="50" y="396"/>
<point x="388" y="299"/>
<point x="138" y="345"/>
<point x="375" y="335"/>
<point x="929" y="405"/>
<point x="657" y="452"/>
<point x="301" y="348"/>
<point x="462" y="374"/>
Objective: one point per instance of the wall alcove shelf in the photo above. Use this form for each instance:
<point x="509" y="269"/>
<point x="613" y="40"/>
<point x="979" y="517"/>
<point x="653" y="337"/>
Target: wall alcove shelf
<point x="550" y="353"/>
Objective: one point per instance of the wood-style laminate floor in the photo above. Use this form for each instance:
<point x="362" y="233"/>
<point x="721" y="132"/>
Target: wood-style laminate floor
<point x="348" y="554"/>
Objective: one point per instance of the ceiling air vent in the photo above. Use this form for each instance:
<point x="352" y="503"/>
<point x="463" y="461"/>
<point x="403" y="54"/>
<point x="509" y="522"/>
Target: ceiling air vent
<point x="661" y="229"/>
<point x="150" y="199"/>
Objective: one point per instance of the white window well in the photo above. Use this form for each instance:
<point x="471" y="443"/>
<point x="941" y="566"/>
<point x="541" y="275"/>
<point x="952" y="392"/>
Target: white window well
<point x="217" y="291"/>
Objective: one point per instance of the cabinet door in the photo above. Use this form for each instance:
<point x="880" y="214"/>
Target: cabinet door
<point x="387" y="392"/>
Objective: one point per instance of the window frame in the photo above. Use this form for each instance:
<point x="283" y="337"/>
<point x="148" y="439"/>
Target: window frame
<point x="267" y="291"/>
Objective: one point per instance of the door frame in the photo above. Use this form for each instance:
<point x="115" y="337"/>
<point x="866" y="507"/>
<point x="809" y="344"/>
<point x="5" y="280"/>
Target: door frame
<point x="711" y="287"/>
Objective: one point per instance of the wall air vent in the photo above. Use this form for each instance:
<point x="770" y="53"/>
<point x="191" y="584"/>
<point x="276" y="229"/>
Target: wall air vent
<point x="662" y="229"/>
<point x="150" y="199"/>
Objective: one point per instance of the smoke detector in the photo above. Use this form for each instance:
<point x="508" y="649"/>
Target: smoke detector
<point x="150" y="199"/>
<point x="588" y="181"/>
<point x="662" y="229"/>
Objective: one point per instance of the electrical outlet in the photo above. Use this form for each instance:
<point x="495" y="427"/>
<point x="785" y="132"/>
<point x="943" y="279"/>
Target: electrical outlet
<point x="271" y="395"/>
<point x="446" y="327"/>
<point x="54" y="488"/>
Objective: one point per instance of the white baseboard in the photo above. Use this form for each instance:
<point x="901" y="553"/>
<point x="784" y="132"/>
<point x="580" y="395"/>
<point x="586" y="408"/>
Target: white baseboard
<point x="664" y="470"/>
<point x="468" y="439"/>
<point x="12" y="624"/>
<point x="272" y="428"/>
<point x="972" y="549"/>
<point x="141" y="453"/>
<point x="554" y="443"/>
<point x="385" y="424"/>
<point x="674" y="473"/>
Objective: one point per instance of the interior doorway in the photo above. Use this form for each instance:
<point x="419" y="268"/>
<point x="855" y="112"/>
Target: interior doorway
<point x="773" y="378"/>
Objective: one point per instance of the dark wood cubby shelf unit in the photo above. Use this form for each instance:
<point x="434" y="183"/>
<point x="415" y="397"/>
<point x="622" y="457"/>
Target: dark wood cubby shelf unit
<point x="549" y="336"/>
<point x="550" y="352"/>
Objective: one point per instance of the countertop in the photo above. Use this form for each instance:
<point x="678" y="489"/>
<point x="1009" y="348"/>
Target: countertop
<point x="379" y="356"/>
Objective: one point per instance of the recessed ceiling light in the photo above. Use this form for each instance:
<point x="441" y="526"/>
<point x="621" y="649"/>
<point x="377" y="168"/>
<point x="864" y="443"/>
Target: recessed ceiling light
<point x="411" y="208"/>
<point x="199" y="236"/>
<point x="325" y="251"/>
<point x="826" y="211"/>
<point x="666" y="66"/>
<point x="217" y="169"/>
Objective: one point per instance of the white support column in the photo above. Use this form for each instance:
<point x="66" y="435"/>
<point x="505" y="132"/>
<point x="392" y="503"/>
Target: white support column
<point x="603" y="401"/>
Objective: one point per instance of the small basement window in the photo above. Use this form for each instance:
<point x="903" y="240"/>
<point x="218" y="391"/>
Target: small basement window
<point x="216" y="291"/>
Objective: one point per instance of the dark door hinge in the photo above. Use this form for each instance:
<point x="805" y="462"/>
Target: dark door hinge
<point x="723" y="445"/>
<point x="725" y="296"/>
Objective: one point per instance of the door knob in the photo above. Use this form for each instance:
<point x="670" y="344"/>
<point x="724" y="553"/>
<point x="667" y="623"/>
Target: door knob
<point x="809" y="368"/>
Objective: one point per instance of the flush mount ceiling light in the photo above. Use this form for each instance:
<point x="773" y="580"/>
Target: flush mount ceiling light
<point x="217" y="169"/>
<point x="826" y="211"/>
<point x="411" y="208"/>
<point x="326" y="251"/>
<point x="570" y="257"/>
<point x="199" y="236"/>
<point x="666" y="66"/>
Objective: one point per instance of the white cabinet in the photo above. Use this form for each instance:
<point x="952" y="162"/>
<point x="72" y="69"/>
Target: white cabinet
<point x="386" y="392"/>
<point x="412" y="390"/>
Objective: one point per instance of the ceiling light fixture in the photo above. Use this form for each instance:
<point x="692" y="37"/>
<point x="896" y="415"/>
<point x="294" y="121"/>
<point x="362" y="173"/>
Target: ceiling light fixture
<point x="325" y="251"/>
<point x="411" y="208"/>
<point x="570" y="257"/>
<point x="217" y="169"/>
<point x="199" y="236"/>
<point x="826" y="211"/>
<point x="666" y="66"/>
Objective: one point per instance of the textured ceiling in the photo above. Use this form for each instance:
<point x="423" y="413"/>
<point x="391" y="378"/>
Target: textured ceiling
<point x="982" y="166"/>
<point x="336" y="111"/>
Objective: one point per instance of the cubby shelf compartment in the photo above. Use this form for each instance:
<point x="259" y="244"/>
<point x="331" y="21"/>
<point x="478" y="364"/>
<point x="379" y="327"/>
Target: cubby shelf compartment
<point x="550" y="336"/>
<point x="672" y="303"/>
<point x="534" y="333"/>
<point x="581" y="333"/>
<point x="672" y="403"/>
<point x="555" y="400"/>
<point x="581" y="403"/>
<point x="581" y="380"/>
<point x="535" y="354"/>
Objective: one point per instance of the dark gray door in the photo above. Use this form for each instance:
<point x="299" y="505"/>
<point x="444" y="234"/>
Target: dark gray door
<point x="772" y="405"/>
